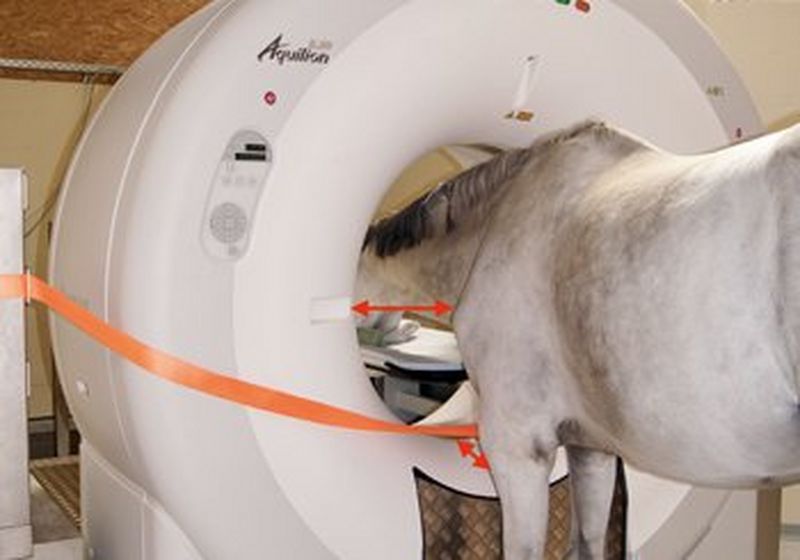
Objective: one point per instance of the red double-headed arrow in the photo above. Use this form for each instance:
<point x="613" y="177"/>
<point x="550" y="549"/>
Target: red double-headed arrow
<point x="471" y="450"/>
<point x="439" y="308"/>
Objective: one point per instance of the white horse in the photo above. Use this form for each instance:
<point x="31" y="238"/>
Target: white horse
<point x="617" y="300"/>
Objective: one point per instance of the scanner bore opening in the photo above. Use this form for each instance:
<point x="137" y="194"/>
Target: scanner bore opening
<point x="412" y="358"/>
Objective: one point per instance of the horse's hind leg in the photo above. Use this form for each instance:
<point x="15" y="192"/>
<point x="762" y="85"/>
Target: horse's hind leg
<point x="592" y="475"/>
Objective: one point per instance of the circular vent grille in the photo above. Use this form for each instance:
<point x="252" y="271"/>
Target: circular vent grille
<point x="228" y="223"/>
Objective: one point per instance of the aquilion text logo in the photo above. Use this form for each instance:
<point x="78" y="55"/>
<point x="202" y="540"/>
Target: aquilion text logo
<point x="283" y="52"/>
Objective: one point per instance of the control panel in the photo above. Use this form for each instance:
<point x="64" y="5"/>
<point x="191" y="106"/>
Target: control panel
<point x="238" y="182"/>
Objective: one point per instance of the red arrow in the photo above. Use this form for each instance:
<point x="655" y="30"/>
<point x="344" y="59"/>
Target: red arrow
<point x="467" y="449"/>
<point x="439" y="308"/>
<point x="481" y="462"/>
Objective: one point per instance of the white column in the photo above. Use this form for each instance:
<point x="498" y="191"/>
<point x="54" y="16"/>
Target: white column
<point x="15" y="527"/>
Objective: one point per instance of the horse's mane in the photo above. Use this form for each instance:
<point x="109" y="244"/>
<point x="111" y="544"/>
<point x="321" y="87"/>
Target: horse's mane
<point x="469" y="196"/>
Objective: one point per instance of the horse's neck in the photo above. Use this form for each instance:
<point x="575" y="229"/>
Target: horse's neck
<point x="436" y="269"/>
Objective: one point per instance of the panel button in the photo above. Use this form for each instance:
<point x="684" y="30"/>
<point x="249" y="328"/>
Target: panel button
<point x="228" y="223"/>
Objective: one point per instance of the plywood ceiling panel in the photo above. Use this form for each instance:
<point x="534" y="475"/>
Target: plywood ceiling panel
<point x="109" y="32"/>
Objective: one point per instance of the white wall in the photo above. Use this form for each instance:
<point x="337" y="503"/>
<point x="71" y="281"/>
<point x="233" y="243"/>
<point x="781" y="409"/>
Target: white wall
<point x="762" y="37"/>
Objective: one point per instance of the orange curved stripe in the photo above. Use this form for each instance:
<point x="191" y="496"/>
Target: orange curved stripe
<point x="200" y="379"/>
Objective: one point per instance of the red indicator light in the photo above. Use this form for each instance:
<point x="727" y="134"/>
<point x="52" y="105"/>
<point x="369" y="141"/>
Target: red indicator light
<point x="270" y="98"/>
<point x="583" y="6"/>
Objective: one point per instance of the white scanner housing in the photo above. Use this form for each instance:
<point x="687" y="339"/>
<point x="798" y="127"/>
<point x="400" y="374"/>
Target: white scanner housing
<point x="216" y="210"/>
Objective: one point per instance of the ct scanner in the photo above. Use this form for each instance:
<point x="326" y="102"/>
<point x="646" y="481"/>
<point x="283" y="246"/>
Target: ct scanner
<point x="216" y="210"/>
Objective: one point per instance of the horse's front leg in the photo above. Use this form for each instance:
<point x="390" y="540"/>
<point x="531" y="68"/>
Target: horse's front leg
<point x="521" y="464"/>
<point x="593" y="476"/>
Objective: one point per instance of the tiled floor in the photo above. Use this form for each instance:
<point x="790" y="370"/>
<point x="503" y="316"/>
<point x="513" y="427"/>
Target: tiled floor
<point x="54" y="535"/>
<point x="49" y="522"/>
<point x="59" y="477"/>
<point x="72" y="550"/>
<point x="56" y="538"/>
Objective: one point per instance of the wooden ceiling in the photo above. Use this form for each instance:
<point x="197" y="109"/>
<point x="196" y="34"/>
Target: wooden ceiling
<point x="108" y="32"/>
